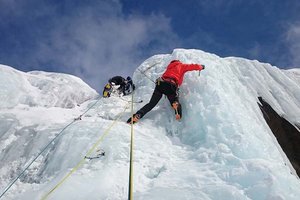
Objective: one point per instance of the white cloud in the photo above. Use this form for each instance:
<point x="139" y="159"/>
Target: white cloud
<point x="93" y="39"/>
<point x="96" y="46"/>
<point x="256" y="50"/>
<point x="293" y="41"/>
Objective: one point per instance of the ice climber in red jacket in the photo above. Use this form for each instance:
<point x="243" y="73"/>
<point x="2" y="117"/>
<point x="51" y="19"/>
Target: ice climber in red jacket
<point x="168" y="85"/>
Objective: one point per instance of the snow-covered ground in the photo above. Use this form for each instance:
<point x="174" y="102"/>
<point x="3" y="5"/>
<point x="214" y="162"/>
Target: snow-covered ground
<point x="221" y="149"/>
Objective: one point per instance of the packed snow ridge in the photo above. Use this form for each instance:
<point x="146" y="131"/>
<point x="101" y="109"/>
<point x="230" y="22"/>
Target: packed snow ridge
<point x="41" y="89"/>
<point x="221" y="149"/>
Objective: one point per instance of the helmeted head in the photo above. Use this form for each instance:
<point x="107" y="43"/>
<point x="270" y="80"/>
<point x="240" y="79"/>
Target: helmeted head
<point x="128" y="78"/>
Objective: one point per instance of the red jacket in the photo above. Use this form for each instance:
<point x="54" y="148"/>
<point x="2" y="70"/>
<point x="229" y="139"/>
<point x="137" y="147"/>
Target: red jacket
<point x="176" y="69"/>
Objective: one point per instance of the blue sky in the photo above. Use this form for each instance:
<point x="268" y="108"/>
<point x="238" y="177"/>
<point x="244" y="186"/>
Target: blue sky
<point x="97" y="39"/>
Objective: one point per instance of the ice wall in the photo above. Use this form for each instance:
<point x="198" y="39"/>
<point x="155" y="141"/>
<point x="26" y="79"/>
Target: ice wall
<point x="221" y="149"/>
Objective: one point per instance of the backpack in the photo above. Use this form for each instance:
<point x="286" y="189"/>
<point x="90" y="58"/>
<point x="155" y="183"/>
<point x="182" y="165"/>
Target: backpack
<point x="129" y="87"/>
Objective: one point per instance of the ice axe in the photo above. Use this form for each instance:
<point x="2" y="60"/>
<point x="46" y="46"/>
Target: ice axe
<point x="202" y="69"/>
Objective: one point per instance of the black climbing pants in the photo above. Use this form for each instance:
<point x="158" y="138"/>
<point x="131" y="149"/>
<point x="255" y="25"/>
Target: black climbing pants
<point x="162" y="87"/>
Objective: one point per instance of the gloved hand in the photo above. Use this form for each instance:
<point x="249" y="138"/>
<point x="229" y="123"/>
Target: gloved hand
<point x="203" y="66"/>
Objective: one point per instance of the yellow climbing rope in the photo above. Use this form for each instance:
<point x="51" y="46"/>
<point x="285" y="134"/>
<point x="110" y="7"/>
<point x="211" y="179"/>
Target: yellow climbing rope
<point x="130" y="189"/>
<point x="87" y="155"/>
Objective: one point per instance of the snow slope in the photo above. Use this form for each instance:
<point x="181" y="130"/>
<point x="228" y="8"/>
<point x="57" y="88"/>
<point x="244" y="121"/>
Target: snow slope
<point x="221" y="149"/>
<point x="38" y="88"/>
